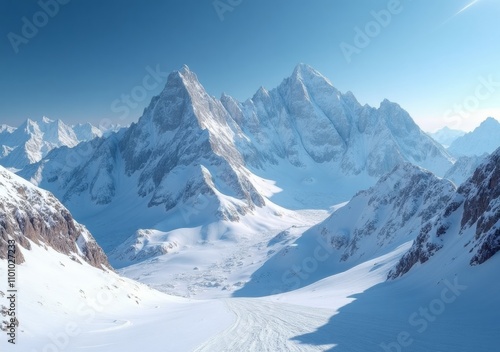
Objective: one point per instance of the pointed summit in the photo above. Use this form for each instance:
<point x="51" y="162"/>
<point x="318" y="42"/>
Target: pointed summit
<point x="490" y="122"/>
<point x="308" y="74"/>
<point x="303" y="68"/>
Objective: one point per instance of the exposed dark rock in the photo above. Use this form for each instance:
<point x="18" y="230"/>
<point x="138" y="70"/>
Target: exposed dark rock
<point x="31" y="214"/>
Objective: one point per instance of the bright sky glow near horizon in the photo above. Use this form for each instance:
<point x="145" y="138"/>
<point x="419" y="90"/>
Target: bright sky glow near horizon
<point x="438" y="59"/>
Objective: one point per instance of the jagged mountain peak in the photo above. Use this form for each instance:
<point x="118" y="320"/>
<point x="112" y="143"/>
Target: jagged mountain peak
<point x="490" y="121"/>
<point x="306" y="76"/>
<point x="304" y="71"/>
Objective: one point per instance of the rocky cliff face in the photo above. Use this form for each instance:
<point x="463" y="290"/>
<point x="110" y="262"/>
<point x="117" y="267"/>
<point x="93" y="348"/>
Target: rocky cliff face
<point x="472" y="215"/>
<point x="31" y="215"/>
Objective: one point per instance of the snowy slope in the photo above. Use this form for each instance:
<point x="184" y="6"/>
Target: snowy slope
<point x="463" y="168"/>
<point x="445" y="136"/>
<point x="66" y="306"/>
<point x="375" y="222"/>
<point x="33" y="139"/>
<point x="484" y="139"/>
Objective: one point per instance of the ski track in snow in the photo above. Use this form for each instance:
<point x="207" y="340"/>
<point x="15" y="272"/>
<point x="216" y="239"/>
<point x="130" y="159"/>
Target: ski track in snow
<point x="267" y="326"/>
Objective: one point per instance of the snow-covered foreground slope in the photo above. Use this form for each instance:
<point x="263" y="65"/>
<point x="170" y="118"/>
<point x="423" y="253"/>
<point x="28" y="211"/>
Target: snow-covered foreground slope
<point x="67" y="297"/>
<point x="33" y="139"/>
<point x="444" y="308"/>
<point x="66" y="306"/>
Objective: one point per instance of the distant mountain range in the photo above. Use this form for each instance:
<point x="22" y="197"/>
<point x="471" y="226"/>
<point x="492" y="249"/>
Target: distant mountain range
<point x="33" y="139"/>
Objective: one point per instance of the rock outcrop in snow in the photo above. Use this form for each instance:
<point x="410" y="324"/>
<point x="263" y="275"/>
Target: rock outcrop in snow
<point x="31" y="215"/>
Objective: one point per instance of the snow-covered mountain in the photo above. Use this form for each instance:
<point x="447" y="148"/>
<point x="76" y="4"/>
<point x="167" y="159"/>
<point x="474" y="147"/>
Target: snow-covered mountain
<point x="197" y="159"/>
<point x="468" y="227"/>
<point x="445" y="136"/>
<point x="484" y="139"/>
<point x="33" y="139"/>
<point x="307" y="119"/>
<point x="373" y="223"/>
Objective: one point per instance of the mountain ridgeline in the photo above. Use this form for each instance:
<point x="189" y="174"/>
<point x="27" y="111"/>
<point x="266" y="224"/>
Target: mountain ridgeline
<point x="189" y="147"/>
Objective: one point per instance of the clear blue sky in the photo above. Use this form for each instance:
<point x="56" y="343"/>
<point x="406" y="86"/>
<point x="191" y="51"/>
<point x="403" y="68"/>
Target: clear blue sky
<point x="426" y="57"/>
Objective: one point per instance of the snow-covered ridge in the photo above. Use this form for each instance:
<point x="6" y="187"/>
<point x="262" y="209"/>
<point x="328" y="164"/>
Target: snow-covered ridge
<point x="469" y="224"/>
